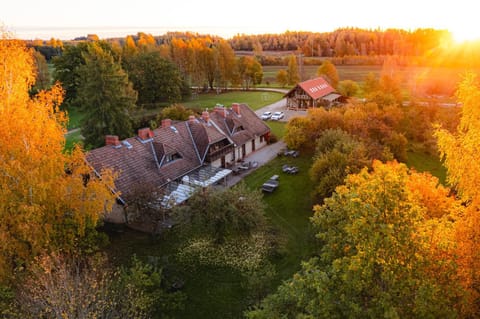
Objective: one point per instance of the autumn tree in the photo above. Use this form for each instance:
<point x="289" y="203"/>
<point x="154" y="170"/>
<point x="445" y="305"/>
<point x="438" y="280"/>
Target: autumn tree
<point x="371" y="83"/>
<point x="250" y="71"/>
<point x="42" y="74"/>
<point x="328" y="71"/>
<point x="226" y="62"/>
<point x="337" y="154"/>
<point x="176" y="112"/>
<point x="146" y="41"/>
<point x="62" y="286"/>
<point x="386" y="89"/>
<point x="221" y="214"/>
<point x="293" y="75"/>
<point x="459" y="151"/>
<point x="129" y="48"/>
<point x="106" y="97"/>
<point x="302" y="132"/>
<point x="49" y="200"/>
<point x="282" y="77"/>
<point x="379" y="255"/>
<point x="348" y="88"/>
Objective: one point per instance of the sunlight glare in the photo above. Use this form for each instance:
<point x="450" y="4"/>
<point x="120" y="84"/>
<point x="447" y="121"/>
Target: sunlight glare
<point x="461" y="35"/>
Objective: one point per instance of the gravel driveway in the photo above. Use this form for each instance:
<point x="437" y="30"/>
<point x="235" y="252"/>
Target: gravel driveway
<point x="281" y="106"/>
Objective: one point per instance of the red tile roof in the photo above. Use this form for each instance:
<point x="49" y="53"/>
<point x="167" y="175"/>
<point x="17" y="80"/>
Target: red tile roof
<point x="139" y="164"/>
<point x="316" y="88"/>
<point x="143" y="164"/>
<point x="242" y="127"/>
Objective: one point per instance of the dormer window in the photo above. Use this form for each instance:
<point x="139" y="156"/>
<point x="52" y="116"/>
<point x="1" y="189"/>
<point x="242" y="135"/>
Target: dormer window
<point x="238" y="129"/>
<point x="172" y="157"/>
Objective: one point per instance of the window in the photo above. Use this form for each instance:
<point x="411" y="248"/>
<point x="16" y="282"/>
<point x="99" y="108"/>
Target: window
<point x="172" y="157"/>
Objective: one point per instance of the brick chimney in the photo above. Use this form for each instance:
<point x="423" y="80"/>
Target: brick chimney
<point x="206" y="116"/>
<point x="221" y="111"/>
<point x="166" y="123"/>
<point x="191" y="119"/>
<point x="145" y="133"/>
<point x="236" y="108"/>
<point x="112" y="140"/>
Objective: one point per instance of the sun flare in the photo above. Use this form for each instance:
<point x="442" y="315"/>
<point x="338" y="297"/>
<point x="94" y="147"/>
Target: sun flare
<point x="461" y="35"/>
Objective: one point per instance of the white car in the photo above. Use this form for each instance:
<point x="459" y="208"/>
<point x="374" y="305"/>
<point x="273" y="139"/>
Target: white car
<point x="277" y="116"/>
<point x="266" y="115"/>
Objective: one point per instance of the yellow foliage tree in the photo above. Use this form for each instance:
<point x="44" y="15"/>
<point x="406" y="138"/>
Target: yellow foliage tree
<point x="462" y="160"/>
<point x="48" y="199"/>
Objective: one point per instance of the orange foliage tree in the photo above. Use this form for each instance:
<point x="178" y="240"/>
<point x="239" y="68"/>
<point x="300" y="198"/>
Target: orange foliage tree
<point x="462" y="159"/>
<point x="48" y="199"/>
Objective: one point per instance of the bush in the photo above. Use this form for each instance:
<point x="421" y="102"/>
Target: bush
<point x="273" y="139"/>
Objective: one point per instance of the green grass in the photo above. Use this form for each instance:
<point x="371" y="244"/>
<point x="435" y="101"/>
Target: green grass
<point x="277" y="128"/>
<point x="211" y="292"/>
<point x="254" y="99"/>
<point x="74" y="118"/>
<point x="71" y="139"/>
<point x="288" y="210"/>
<point x="424" y="162"/>
<point x="218" y="292"/>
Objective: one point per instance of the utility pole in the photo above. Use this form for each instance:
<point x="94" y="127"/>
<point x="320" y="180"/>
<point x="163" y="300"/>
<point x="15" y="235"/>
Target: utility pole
<point x="300" y="67"/>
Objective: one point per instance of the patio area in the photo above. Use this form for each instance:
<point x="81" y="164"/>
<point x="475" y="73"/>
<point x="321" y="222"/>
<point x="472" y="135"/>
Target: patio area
<point x="178" y="192"/>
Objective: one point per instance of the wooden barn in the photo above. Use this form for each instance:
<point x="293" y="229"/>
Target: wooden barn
<point x="313" y="93"/>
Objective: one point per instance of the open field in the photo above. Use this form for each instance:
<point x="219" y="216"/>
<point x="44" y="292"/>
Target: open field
<point x="439" y="81"/>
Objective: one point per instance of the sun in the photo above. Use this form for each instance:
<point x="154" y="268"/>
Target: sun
<point x="461" y="35"/>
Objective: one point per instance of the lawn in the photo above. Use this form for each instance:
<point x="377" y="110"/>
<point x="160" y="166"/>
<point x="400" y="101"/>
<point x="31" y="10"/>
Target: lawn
<point x="424" y="162"/>
<point x="277" y="128"/>
<point x="255" y="99"/>
<point x="218" y="292"/>
<point x="74" y="118"/>
<point x="71" y="139"/>
<point x="288" y="210"/>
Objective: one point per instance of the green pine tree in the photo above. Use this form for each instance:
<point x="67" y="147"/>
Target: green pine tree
<point x="106" y="97"/>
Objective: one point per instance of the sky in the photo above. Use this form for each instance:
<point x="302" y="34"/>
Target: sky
<point x="67" y="19"/>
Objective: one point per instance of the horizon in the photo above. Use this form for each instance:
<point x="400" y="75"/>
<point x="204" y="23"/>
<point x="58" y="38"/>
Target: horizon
<point x="106" y="32"/>
<point x="30" y="20"/>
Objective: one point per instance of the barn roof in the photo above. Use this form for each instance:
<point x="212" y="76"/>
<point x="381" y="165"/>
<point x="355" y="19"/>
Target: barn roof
<point x="315" y="88"/>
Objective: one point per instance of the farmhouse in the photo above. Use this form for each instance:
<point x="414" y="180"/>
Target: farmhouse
<point x="173" y="160"/>
<point x="312" y="93"/>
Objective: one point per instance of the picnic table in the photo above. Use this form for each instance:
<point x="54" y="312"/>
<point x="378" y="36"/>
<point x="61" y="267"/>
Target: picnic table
<point x="290" y="169"/>
<point x="271" y="185"/>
